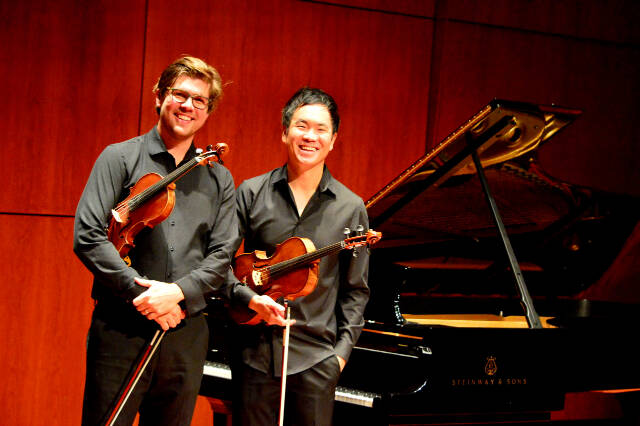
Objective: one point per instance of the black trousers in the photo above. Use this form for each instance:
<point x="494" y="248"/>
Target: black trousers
<point x="166" y="392"/>
<point x="309" y="398"/>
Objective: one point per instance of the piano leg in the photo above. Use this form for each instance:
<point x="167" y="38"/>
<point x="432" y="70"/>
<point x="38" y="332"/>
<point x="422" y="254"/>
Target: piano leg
<point x="629" y="402"/>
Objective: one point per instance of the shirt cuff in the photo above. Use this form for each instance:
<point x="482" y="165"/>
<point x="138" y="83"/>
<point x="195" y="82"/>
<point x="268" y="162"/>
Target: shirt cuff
<point x="242" y="294"/>
<point x="193" y="299"/>
<point x="134" y="291"/>
<point x="343" y="349"/>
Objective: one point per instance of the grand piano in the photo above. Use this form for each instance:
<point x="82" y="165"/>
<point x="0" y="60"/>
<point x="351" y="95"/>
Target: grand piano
<point x="479" y="309"/>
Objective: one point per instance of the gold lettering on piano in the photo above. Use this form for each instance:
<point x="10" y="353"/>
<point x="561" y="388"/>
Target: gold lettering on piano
<point x="492" y="379"/>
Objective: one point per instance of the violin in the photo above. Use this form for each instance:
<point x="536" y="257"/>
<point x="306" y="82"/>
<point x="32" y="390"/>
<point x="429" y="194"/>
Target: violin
<point x="151" y="201"/>
<point x="292" y="270"/>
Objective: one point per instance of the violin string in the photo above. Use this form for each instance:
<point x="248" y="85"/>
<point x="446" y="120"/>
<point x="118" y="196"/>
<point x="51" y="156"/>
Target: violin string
<point x="284" y="267"/>
<point x="305" y="258"/>
<point x="150" y="192"/>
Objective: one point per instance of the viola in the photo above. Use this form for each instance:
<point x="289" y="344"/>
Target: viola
<point x="292" y="270"/>
<point x="151" y="201"/>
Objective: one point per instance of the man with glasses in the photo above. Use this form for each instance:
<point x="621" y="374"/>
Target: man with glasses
<point x="174" y="265"/>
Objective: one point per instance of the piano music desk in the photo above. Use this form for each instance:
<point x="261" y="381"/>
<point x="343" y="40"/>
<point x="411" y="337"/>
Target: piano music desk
<point x="475" y="320"/>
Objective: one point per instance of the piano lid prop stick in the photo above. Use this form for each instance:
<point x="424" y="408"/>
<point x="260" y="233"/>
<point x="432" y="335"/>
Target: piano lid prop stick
<point x="137" y="373"/>
<point x="285" y="357"/>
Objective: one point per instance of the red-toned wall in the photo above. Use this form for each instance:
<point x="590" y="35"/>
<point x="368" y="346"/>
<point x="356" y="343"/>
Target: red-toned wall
<point x="77" y="76"/>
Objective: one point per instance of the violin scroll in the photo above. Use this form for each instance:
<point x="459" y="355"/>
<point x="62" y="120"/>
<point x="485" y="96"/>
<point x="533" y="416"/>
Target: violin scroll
<point x="213" y="154"/>
<point x="369" y="238"/>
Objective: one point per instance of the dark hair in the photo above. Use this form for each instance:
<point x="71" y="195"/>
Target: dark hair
<point x="310" y="96"/>
<point x="191" y="67"/>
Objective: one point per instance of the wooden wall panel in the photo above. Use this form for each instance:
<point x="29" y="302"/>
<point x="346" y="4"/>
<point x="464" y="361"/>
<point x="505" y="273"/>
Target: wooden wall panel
<point x="424" y="8"/>
<point x="374" y="64"/>
<point x="44" y="318"/>
<point x="612" y="20"/>
<point x="71" y="73"/>
<point x="600" y="150"/>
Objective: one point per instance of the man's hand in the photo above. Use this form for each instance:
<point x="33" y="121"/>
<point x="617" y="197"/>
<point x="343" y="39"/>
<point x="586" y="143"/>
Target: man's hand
<point x="159" y="299"/>
<point x="341" y="361"/>
<point x="269" y="311"/>
<point x="170" y="319"/>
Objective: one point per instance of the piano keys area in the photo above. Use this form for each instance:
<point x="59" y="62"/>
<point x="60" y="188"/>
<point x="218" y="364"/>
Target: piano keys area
<point x="485" y="291"/>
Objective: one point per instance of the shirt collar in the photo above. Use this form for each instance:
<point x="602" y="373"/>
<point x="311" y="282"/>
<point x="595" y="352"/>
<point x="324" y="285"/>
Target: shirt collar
<point x="156" y="145"/>
<point x="327" y="182"/>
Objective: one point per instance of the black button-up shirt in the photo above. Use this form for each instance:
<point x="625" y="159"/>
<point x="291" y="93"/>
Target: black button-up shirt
<point x="193" y="247"/>
<point x="330" y="319"/>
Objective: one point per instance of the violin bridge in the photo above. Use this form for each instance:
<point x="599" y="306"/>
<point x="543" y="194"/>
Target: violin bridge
<point x="256" y="276"/>
<point x="116" y="216"/>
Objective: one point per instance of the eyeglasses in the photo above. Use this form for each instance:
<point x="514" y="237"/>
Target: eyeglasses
<point x="181" y="96"/>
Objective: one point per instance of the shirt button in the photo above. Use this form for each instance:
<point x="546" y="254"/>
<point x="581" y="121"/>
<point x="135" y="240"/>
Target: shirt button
<point x="170" y="248"/>
<point x="173" y="223"/>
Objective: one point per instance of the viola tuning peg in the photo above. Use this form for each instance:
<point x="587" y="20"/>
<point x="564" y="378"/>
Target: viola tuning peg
<point x="209" y="147"/>
<point x="346" y="231"/>
<point x="198" y="151"/>
<point x="359" y="230"/>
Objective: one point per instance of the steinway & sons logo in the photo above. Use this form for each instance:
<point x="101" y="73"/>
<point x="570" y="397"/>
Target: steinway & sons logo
<point x="491" y="367"/>
<point x="491" y="377"/>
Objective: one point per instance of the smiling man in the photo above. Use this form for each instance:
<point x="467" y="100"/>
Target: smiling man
<point x="302" y="199"/>
<point x="174" y="265"/>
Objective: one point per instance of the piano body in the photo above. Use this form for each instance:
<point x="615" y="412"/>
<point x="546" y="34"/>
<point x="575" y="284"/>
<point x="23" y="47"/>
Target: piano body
<point x="476" y="312"/>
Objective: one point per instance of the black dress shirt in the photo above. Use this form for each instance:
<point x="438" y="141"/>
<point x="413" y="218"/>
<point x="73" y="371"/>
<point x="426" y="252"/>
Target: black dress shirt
<point x="330" y="319"/>
<point x="193" y="247"/>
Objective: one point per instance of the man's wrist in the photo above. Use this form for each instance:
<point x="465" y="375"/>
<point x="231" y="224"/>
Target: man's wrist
<point x="253" y="302"/>
<point x="178" y="291"/>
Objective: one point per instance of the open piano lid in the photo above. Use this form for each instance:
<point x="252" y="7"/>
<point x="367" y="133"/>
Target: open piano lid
<point x="407" y="211"/>
<point x="430" y="370"/>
